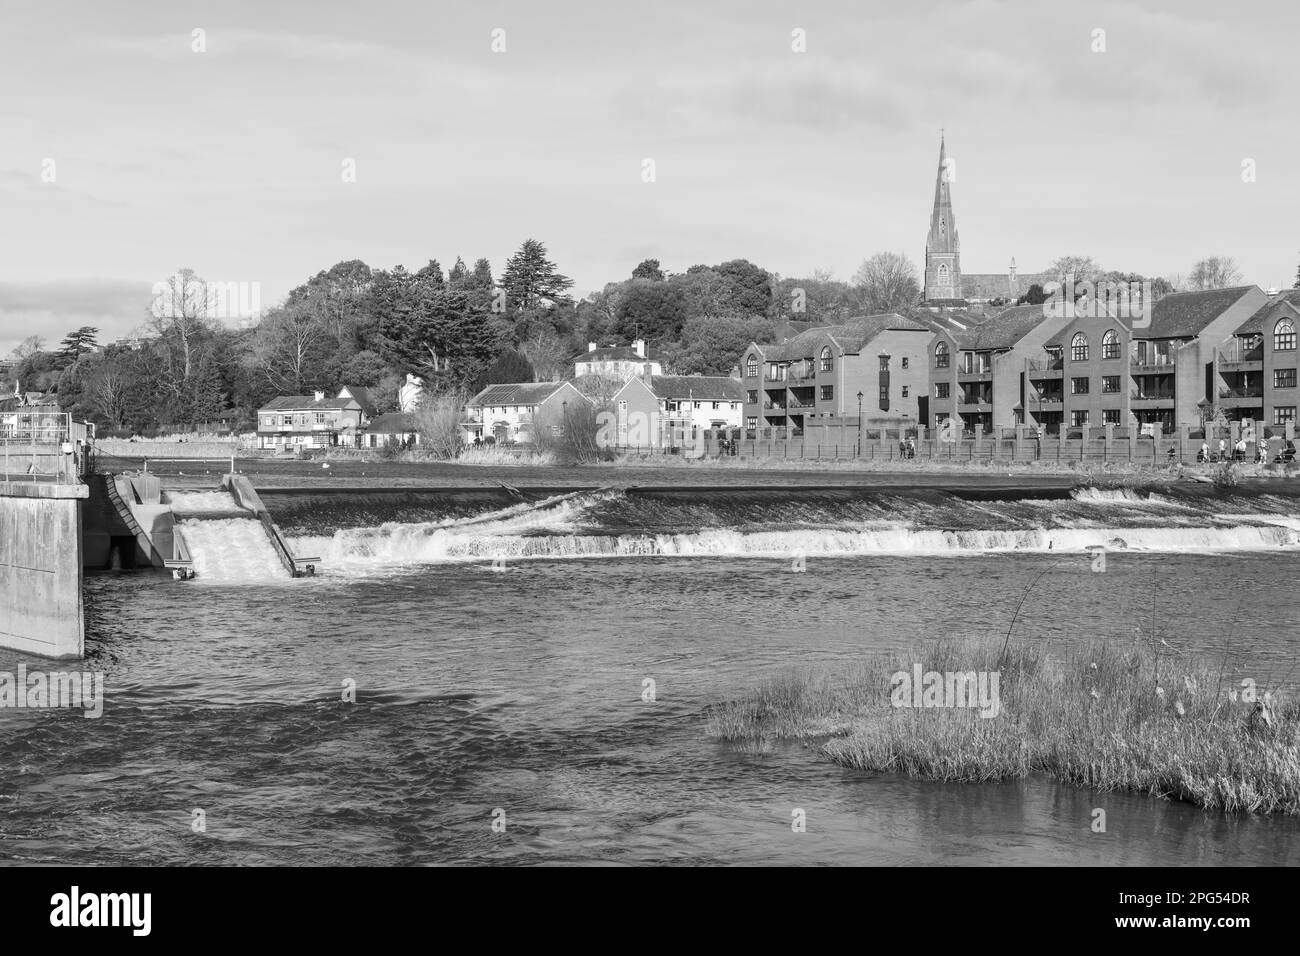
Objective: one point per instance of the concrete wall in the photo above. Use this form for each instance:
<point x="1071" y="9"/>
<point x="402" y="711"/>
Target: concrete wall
<point x="40" y="568"/>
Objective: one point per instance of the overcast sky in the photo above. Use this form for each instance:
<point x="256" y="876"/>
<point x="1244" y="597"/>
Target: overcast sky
<point x="229" y="161"/>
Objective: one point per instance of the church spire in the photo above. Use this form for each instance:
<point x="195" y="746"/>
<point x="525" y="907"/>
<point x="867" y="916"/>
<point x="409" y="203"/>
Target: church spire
<point x="942" y="248"/>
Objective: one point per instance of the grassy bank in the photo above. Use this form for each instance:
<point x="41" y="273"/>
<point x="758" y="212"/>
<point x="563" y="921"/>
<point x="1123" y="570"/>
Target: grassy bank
<point x="1140" y="718"/>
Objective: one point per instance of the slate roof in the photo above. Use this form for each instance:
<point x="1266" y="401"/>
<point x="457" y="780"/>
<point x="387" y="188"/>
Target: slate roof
<point x="516" y="393"/>
<point x="851" y="336"/>
<point x="617" y="353"/>
<point x="716" y="388"/>
<point x="1260" y="321"/>
<point x="363" y="397"/>
<point x="393" y="423"/>
<point x="297" y="403"/>
<point x="1185" y="314"/>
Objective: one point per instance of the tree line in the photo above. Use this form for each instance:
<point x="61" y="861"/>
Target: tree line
<point x="458" y="329"/>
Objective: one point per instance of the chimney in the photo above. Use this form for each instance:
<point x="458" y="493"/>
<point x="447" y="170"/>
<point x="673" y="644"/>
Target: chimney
<point x="320" y="396"/>
<point x="638" y="346"/>
<point x="591" y="346"/>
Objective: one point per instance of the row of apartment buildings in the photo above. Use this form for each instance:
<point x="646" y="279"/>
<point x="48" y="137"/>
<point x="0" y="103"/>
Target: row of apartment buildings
<point x="1223" y="354"/>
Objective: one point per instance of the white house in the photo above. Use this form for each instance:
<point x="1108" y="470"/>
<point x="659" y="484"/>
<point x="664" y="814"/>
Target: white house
<point x="410" y="393"/>
<point x="615" y="361"/>
<point x="649" y="409"/>
<point x="505" y="413"/>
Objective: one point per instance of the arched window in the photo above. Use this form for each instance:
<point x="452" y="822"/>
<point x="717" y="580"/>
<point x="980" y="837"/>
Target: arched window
<point x="1284" y="336"/>
<point x="943" y="274"/>
<point x="827" y="363"/>
<point x="1110" y="345"/>
<point x="751" y="367"/>
<point x="941" y="355"/>
<point x="1079" y="348"/>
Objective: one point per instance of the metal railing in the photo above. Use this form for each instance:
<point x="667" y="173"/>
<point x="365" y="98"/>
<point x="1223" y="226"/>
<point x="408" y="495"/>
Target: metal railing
<point x="42" y="446"/>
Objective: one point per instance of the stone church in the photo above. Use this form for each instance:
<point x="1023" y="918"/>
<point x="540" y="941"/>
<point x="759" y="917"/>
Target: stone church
<point x="945" y="284"/>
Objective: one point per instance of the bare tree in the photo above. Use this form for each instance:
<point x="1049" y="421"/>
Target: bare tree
<point x="285" y="346"/>
<point x="1083" y="268"/>
<point x="28" y="347"/>
<point x="178" y="317"/>
<point x="599" y="388"/>
<point x="546" y="353"/>
<point x="437" y="419"/>
<point x="1214" y="272"/>
<point x="108" y="387"/>
<point x="888" y="282"/>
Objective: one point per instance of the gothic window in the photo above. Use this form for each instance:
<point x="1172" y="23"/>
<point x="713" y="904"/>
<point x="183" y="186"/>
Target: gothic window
<point x="943" y="274"/>
<point x="1079" y="348"/>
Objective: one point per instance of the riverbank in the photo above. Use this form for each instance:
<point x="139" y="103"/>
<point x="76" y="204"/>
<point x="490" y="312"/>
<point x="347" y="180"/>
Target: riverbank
<point x="1142" y="718"/>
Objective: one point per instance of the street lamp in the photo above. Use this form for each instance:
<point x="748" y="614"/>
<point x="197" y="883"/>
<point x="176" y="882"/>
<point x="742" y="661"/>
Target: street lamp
<point x="859" y="425"/>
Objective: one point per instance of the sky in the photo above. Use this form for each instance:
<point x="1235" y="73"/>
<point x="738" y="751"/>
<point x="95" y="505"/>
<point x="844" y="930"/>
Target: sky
<point x="230" y="160"/>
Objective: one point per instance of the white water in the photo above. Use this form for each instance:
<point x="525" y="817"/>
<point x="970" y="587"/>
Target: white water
<point x="200" y="502"/>
<point x="553" y="535"/>
<point x="231" y="549"/>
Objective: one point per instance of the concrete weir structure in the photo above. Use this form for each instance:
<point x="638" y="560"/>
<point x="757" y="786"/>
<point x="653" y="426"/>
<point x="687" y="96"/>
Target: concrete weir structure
<point x="41" y="568"/>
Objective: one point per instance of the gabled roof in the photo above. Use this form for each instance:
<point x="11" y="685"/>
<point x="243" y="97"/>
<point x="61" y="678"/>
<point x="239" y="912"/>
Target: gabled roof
<point x="363" y="397"/>
<point x="849" y="337"/>
<point x="618" y="353"/>
<point x="392" y="423"/>
<point x="1259" y="321"/>
<point x="716" y="388"/>
<point x="517" y="393"/>
<point x="1185" y="314"/>
<point x="308" y="403"/>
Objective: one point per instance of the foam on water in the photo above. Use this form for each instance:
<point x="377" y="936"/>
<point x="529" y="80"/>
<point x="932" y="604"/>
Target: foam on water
<point x="200" y="502"/>
<point x="230" y="550"/>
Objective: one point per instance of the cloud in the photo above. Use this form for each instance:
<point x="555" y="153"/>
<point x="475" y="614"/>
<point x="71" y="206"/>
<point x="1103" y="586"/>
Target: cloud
<point x="51" y="309"/>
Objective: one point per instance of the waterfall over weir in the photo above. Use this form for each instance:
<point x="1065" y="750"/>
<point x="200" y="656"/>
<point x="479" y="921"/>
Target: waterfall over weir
<point x="778" y="523"/>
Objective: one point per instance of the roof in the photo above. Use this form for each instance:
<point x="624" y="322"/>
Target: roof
<point x="618" y="353"/>
<point x="294" y="403"/>
<point x="1258" y="321"/>
<point x="393" y="423"/>
<point x="363" y="397"/>
<point x="850" y="337"/>
<point x="698" y="387"/>
<point x="1185" y="314"/>
<point x="517" y="393"/>
<point x="991" y="332"/>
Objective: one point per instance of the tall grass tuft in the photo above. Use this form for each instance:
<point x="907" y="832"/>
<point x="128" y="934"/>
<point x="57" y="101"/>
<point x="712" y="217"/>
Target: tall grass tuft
<point x="1108" y="718"/>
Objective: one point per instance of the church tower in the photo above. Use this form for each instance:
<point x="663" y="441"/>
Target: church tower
<point x="942" y="248"/>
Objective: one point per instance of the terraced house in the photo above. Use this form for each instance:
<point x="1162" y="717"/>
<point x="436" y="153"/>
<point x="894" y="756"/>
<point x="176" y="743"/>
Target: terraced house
<point x="1256" y="368"/>
<point x="875" y="365"/>
<point x="294" y="422"/>
<point x="1106" y="371"/>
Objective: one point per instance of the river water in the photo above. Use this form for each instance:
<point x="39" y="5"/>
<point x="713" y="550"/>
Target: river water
<point x="515" y="693"/>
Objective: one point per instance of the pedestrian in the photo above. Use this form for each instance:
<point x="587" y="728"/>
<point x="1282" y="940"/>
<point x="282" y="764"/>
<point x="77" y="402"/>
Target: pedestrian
<point x="1205" y="451"/>
<point x="1263" y="449"/>
<point x="1223" y="449"/>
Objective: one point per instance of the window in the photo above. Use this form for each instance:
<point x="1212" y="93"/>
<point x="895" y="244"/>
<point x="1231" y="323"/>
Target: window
<point x="1078" y="386"/>
<point x="827" y="362"/>
<point x="968" y="362"/>
<point x="320" y="418"/>
<point x="904" y="363"/>
<point x="1110" y="345"/>
<point x="1283" y="414"/>
<point x="1110" y="383"/>
<point x="1079" y="417"/>
<point x="1284" y="378"/>
<point x="827" y="393"/>
<point x="943" y="272"/>
<point x="884" y="363"/>
<point x="941" y="355"/>
<point x="751" y="367"/>
<point x="775" y="372"/>
<point x="751" y="396"/>
<point x="1284" y="336"/>
<point x="716" y="406"/>
<point x="1110" y="416"/>
<point x="905" y="391"/>
<point x="1079" y="348"/>
<point x="940" y="389"/>
<point x="751" y="422"/>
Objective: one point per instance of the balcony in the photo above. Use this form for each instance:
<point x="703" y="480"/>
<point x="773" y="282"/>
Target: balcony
<point x="802" y="373"/>
<point x="1150" y="399"/>
<point x="1237" y="358"/>
<point x="1241" y="397"/>
<point x="797" y="405"/>
<point x="1146" y="363"/>
<point x="975" y="407"/>
<point x="1047" y="363"/>
<point x="774" y="406"/>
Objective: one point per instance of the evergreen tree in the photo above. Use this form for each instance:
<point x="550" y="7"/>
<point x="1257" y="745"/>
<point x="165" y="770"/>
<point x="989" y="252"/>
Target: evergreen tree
<point x="649" y="269"/>
<point x="482" y="279"/>
<point x="459" y="275"/>
<point x="531" y="280"/>
<point x="75" y="344"/>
